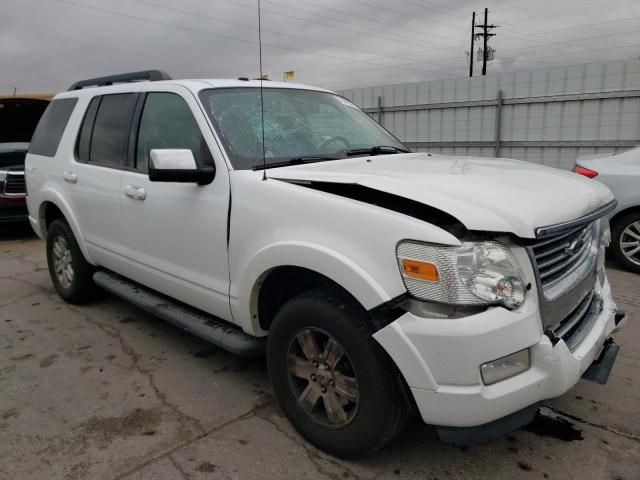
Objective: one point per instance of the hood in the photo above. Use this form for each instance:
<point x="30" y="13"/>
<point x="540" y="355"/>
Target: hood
<point x="484" y="194"/>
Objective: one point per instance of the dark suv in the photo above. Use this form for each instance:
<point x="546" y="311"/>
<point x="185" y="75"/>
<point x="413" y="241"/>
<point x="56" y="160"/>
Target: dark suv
<point x="18" y="119"/>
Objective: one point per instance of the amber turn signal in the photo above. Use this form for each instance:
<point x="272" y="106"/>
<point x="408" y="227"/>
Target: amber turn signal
<point x="424" y="271"/>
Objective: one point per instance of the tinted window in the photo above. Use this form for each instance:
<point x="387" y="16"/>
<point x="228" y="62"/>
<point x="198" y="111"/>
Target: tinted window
<point x="84" y="139"/>
<point x="49" y="131"/>
<point x="167" y="122"/>
<point x="111" y="130"/>
<point x="19" y="118"/>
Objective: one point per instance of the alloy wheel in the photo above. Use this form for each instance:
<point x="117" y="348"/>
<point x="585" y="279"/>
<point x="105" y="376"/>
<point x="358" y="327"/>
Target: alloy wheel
<point x="322" y="378"/>
<point x="62" y="262"/>
<point x="630" y="242"/>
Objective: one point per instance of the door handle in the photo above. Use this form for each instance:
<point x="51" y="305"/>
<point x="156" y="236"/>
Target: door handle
<point x="70" y="177"/>
<point x="135" y="192"/>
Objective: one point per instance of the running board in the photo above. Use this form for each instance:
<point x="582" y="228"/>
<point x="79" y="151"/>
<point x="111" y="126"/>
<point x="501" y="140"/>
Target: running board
<point x="218" y="332"/>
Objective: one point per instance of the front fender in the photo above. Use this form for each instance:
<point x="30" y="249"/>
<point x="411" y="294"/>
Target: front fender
<point x="333" y="265"/>
<point x="52" y="196"/>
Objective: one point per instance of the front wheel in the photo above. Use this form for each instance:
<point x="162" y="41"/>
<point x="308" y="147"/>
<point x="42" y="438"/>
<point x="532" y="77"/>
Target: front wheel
<point x="333" y="381"/>
<point x="625" y="236"/>
<point x="71" y="274"/>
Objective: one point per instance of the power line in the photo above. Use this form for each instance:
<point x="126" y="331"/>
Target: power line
<point x="348" y="60"/>
<point x="439" y="7"/>
<point x="434" y="61"/>
<point x="560" y="42"/>
<point x="579" y="39"/>
<point x="404" y="14"/>
<point x="556" y="13"/>
<point x="207" y="32"/>
<point x="252" y="28"/>
<point x="381" y="24"/>
<point x="405" y="39"/>
<point x="555" y="30"/>
<point x="535" y="59"/>
<point x="512" y="5"/>
<point x="515" y="49"/>
<point x="345" y="59"/>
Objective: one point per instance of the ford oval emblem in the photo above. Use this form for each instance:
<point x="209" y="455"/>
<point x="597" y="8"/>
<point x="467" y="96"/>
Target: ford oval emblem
<point x="575" y="247"/>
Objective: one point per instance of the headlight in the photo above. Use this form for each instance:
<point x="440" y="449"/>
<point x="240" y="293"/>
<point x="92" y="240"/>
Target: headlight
<point x="473" y="274"/>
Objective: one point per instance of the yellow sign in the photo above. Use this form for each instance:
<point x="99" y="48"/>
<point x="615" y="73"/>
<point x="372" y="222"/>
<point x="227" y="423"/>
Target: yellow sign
<point x="289" y="76"/>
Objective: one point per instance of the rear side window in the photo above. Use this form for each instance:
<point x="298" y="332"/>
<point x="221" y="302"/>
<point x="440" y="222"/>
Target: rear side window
<point x="49" y="131"/>
<point x="110" y="137"/>
<point x="84" y="139"/>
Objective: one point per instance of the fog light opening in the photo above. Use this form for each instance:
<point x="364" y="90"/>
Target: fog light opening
<point x="505" y="367"/>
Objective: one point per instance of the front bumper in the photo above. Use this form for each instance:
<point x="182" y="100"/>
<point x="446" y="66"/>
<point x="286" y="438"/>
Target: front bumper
<point x="440" y="360"/>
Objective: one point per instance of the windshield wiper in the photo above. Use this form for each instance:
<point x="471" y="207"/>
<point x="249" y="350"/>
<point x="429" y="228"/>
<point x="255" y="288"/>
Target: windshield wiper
<point x="294" y="161"/>
<point x="376" y="150"/>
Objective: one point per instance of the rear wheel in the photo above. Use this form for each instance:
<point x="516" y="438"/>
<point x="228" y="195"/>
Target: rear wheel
<point x="71" y="274"/>
<point x="626" y="241"/>
<point x="333" y="381"/>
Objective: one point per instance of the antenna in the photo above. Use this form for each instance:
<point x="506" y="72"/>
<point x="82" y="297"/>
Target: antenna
<point x="264" y="157"/>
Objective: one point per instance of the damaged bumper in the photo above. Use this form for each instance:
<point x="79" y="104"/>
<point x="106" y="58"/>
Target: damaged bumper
<point x="440" y="360"/>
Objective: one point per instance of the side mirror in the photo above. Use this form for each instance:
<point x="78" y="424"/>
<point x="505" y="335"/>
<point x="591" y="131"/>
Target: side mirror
<point x="178" y="165"/>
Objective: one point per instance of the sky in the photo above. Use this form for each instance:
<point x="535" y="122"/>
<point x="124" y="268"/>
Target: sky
<point x="45" y="45"/>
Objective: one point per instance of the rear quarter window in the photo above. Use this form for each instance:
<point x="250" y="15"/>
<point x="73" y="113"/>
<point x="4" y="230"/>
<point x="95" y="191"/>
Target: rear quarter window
<point x="51" y="126"/>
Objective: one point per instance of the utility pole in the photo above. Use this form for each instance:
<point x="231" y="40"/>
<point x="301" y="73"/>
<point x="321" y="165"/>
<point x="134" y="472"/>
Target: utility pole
<point x="473" y="27"/>
<point x="486" y="35"/>
<point x="485" y="28"/>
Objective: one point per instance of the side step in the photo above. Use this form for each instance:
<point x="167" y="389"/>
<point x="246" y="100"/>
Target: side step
<point x="218" y="332"/>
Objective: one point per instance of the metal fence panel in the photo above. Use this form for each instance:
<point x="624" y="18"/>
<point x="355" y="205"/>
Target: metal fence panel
<point x="546" y="116"/>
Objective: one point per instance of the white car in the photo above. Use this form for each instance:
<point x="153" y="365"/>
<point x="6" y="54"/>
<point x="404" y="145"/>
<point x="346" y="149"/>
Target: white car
<point x="621" y="173"/>
<point x="378" y="281"/>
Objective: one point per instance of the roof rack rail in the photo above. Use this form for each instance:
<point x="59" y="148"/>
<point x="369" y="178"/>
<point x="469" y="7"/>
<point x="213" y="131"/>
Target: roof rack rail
<point x="150" y="75"/>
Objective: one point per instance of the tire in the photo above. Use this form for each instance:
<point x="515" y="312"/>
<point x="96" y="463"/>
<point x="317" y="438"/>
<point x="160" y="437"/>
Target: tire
<point x="364" y="379"/>
<point x="623" y="233"/>
<point x="71" y="274"/>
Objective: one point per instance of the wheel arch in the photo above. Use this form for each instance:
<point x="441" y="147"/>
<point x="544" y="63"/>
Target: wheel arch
<point x="307" y="266"/>
<point x="280" y="284"/>
<point x="623" y="213"/>
<point x="52" y="207"/>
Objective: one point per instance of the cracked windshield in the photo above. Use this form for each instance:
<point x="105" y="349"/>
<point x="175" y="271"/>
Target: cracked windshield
<point x="300" y="126"/>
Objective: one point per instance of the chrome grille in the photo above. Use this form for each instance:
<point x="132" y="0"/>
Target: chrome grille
<point x="577" y="324"/>
<point x="15" y="183"/>
<point x="565" y="261"/>
<point x="556" y="256"/>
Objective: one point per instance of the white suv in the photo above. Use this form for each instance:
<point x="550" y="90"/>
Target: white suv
<point x="280" y="217"/>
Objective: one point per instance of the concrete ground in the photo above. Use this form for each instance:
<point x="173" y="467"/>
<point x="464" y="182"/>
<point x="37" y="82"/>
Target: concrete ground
<point x="105" y="391"/>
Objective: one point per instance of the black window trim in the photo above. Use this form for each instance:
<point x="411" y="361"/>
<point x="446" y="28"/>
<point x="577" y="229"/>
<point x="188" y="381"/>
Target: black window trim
<point x="132" y="152"/>
<point x="127" y="159"/>
<point x="76" y="150"/>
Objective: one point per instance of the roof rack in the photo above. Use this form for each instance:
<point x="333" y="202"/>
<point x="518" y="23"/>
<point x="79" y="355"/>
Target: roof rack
<point x="150" y="75"/>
